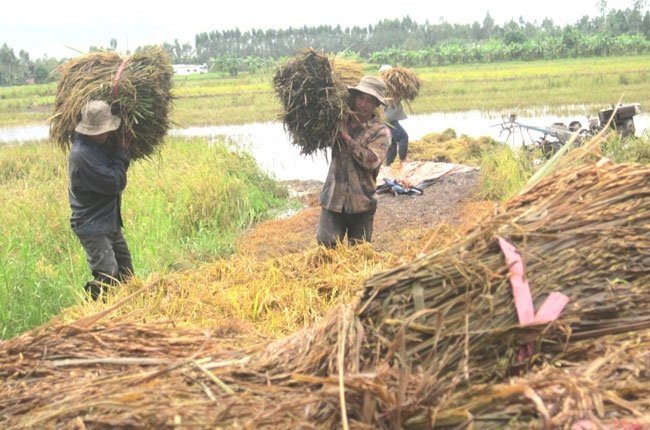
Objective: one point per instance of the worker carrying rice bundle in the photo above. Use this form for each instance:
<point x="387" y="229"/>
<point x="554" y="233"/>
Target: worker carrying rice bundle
<point x="328" y="104"/>
<point x="108" y="112"/>
<point x="348" y="197"/>
<point x="401" y="85"/>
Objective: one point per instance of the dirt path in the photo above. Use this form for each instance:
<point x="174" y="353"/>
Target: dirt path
<point x="403" y="224"/>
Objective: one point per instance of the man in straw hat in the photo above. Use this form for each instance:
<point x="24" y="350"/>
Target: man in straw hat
<point x="347" y="199"/>
<point x="97" y="168"/>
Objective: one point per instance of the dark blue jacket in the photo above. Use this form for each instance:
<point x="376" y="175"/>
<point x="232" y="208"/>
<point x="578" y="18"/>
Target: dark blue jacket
<point x="97" y="174"/>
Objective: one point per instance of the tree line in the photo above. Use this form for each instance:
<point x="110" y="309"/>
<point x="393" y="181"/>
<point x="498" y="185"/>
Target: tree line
<point x="397" y="41"/>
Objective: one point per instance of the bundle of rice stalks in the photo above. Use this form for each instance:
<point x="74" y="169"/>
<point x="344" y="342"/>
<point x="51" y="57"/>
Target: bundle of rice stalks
<point x="137" y="87"/>
<point x="401" y="83"/>
<point x="581" y="232"/>
<point x="314" y="98"/>
<point x="608" y="390"/>
<point x="448" y="321"/>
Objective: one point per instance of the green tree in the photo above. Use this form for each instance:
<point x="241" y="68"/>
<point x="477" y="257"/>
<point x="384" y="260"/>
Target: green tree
<point x="13" y="71"/>
<point x="488" y="26"/>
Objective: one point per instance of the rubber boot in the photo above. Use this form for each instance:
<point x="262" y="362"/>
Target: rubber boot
<point x="99" y="286"/>
<point x="94" y="290"/>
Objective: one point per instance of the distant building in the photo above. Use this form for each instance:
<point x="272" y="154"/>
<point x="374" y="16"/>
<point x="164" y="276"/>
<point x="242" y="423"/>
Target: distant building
<point x="190" y="69"/>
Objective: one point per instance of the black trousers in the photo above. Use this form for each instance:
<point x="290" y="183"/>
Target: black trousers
<point x="333" y="227"/>
<point x="108" y="256"/>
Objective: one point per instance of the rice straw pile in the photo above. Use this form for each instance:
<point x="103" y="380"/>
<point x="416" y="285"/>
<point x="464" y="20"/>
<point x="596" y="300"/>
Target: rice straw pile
<point x="313" y="90"/>
<point x="431" y="344"/>
<point x="137" y="87"/>
<point x="401" y="83"/>
<point x="447" y="322"/>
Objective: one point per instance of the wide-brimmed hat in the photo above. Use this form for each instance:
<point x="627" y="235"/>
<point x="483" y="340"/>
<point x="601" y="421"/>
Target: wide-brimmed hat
<point x="372" y="86"/>
<point x="97" y="118"/>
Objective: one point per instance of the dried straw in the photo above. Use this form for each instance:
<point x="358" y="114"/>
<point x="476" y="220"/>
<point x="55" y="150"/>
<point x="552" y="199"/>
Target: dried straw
<point x="137" y="87"/>
<point x="447" y="321"/>
<point x="593" y="392"/>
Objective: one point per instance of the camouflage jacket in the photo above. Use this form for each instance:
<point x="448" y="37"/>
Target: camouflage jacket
<point x="351" y="181"/>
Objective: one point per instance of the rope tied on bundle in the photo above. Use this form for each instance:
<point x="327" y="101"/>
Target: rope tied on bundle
<point x="116" y="81"/>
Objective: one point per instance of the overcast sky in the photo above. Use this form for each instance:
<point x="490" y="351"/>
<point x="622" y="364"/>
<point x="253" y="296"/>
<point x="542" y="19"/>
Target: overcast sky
<point x="50" y="27"/>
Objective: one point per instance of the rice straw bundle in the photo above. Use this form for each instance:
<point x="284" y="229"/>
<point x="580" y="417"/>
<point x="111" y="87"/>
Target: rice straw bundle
<point x="447" y="321"/>
<point x="314" y="99"/>
<point x="582" y="232"/>
<point x="137" y="87"/>
<point x="604" y="388"/>
<point x="401" y="83"/>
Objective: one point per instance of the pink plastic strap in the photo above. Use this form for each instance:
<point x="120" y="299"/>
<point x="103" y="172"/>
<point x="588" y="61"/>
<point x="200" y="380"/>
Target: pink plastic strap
<point x="550" y="309"/>
<point x="520" y="287"/>
<point x="116" y="81"/>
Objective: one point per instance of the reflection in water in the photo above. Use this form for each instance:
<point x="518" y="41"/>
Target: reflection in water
<point x="271" y="145"/>
<point x="23" y="134"/>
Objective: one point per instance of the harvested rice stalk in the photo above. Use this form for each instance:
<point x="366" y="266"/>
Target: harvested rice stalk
<point x="603" y="389"/>
<point x="314" y="99"/>
<point x="401" y="83"/>
<point x="137" y="87"/>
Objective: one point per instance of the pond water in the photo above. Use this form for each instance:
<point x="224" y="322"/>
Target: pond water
<point x="271" y="145"/>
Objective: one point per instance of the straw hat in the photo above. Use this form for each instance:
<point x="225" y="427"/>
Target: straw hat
<point x="97" y="118"/>
<point x="372" y="86"/>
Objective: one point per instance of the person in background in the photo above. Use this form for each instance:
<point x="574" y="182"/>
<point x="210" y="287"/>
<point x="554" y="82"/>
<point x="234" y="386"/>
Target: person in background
<point x="97" y="168"/>
<point x="347" y="199"/>
<point x="399" y="138"/>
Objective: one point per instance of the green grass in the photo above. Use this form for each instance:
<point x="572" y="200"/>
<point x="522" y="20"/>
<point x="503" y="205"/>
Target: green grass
<point x="503" y="172"/>
<point x="631" y="150"/>
<point x="566" y="86"/>
<point x="536" y="87"/>
<point x="182" y="207"/>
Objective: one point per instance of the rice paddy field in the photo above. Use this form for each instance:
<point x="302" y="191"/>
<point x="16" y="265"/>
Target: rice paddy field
<point x="229" y="323"/>
<point x="562" y="86"/>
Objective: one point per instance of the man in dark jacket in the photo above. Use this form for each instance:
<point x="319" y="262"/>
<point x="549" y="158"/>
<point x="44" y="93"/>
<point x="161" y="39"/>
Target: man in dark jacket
<point x="347" y="199"/>
<point x="97" y="173"/>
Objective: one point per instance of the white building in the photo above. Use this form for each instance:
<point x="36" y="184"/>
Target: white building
<point x="190" y="69"/>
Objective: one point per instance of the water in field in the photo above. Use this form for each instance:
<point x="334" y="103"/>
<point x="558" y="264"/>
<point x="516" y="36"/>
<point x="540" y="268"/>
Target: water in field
<point x="271" y="145"/>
